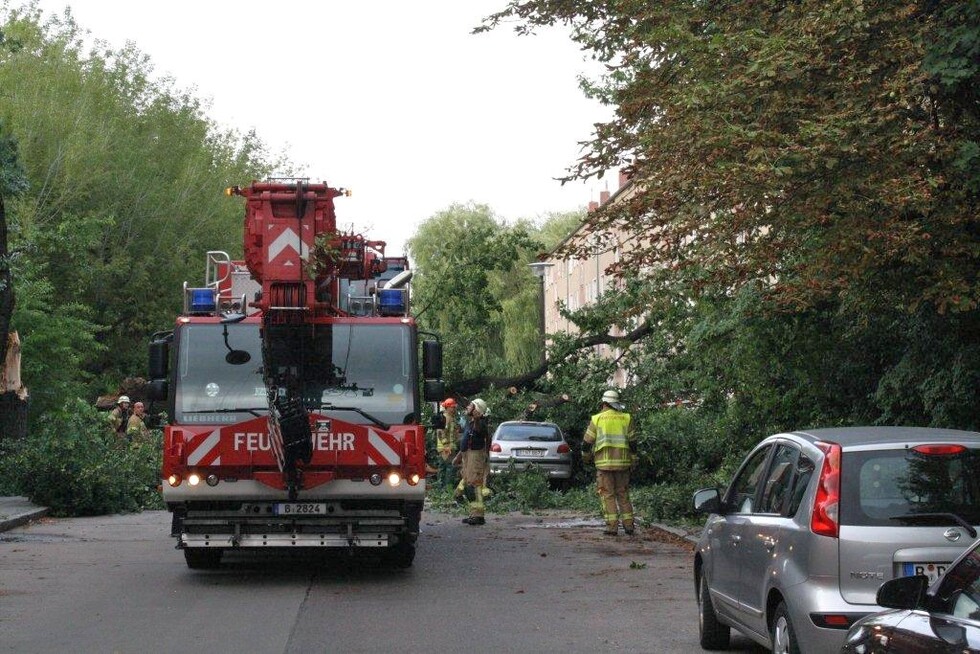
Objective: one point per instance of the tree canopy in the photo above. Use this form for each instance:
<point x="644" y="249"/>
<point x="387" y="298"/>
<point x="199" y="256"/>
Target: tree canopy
<point x="124" y="175"/>
<point x="823" y="149"/>
<point x="473" y="287"/>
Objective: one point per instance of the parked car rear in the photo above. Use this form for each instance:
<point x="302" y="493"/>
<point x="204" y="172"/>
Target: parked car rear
<point x="793" y="552"/>
<point x="522" y="444"/>
<point x="943" y="617"/>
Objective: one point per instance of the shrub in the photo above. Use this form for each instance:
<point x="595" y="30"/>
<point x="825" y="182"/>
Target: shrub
<point x="76" y="466"/>
<point x="522" y="490"/>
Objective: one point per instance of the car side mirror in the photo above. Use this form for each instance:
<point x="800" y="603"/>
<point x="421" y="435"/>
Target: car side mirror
<point x="905" y="593"/>
<point x="707" y="500"/>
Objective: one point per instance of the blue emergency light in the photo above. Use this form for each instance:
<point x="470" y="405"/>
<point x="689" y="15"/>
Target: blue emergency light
<point x="202" y="300"/>
<point x="391" y="301"/>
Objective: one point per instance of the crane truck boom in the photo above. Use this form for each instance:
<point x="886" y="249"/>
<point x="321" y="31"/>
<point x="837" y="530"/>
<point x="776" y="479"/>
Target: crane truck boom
<point x="295" y="417"/>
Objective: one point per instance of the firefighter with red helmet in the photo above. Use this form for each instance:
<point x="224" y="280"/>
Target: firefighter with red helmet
<point x="610" y="441"/>
<point x="446" y="440"/>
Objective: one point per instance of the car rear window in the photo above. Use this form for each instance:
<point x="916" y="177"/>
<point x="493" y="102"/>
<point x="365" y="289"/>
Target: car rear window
<point x="886" y="487"/>
<point x="543" y="433"/>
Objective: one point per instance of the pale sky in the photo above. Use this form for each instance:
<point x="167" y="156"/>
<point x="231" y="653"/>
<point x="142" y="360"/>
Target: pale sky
<point x="393" y="99"/>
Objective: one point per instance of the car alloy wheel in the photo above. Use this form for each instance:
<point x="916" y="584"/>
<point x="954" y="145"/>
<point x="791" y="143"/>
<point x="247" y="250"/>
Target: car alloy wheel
<point x="783" y="636"/>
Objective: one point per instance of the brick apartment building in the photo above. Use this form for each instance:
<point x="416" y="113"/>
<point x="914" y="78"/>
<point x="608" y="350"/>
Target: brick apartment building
<point x="580" y="282"/>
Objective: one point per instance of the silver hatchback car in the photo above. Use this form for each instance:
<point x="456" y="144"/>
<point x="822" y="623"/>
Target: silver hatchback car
<point x="522" y="443"/>
<point x="793" y="552"/>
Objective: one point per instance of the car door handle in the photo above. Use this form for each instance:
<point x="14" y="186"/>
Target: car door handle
<point x="769" y="542"/>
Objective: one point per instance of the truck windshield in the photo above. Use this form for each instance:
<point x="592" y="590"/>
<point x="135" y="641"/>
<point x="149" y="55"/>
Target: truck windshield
<point x="368" y="367"/>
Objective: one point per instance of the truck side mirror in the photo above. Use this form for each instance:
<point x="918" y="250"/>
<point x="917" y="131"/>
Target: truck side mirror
<point x="431" y="360"/>
<point x="433" y="390"/>
<point x="157" y="389"/>
<point x="159" y="359"/>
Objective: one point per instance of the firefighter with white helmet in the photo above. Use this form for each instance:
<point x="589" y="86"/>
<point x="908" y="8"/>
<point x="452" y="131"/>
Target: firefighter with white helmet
<point x="474" y="447"/>
<point x="119" y="416"/>
<point x="610" y="441"/>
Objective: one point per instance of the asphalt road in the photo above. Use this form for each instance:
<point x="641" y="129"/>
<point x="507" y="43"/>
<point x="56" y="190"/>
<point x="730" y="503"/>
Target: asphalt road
<point x="520" y="584"/>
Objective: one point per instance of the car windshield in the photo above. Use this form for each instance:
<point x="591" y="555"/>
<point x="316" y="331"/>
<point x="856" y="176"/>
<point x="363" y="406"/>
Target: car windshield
<point x="896" y="485"/>
<point x="542" y="433"/>
<point x="367" y="367"/>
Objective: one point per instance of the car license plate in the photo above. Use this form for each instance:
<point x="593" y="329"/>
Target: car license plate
<point x="529" y="452"/>
<point x="301" y="508"/>
<point x="931" y="570"/>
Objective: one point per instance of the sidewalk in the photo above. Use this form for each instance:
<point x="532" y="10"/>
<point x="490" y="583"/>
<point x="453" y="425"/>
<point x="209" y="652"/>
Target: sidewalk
<point x="16" y="511"/>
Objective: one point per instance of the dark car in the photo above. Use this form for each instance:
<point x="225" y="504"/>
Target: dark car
<point x="943" y="617"/>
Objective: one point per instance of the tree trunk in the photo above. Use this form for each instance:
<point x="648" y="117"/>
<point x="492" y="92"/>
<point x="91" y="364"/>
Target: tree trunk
<point x="6" y="286"/>
<point x="470" y="387"/>
<point x="13" y="394"/>
<point x="13" y="418"/>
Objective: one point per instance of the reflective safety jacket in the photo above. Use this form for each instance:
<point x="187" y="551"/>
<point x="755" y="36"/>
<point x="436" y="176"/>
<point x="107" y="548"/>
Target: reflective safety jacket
<point x="446" y="438"/>
<point x="611" y="433"/>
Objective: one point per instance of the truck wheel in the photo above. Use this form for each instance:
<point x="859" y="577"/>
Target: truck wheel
<point x="204" y="558"/>
<point x="402" y="555"/>
<point x="714" y="634"/>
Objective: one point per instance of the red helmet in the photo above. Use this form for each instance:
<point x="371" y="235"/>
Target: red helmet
<point x="448" y="403"/>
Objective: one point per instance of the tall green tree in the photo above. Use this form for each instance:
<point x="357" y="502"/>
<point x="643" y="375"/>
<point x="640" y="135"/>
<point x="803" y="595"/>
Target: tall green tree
<point x="126" y="174"/>
<point x="810" y="146"/>
<point x="805" y="210"/>
<point x="12" y="182"/>
<point x="471" y="279"/>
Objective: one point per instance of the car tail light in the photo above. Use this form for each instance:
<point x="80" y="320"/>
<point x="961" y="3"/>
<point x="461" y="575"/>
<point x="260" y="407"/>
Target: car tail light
<point x="495" y="448"/>
<point x="939" y="450"/>
<point x="826" y="507"/>
<point x="564" y="449"/>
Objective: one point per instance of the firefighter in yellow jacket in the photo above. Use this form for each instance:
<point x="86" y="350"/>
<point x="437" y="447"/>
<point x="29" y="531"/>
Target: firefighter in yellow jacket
<point x="446" y="441"/>
<point x="609" y="440"/>
<point x="475" y="446"/>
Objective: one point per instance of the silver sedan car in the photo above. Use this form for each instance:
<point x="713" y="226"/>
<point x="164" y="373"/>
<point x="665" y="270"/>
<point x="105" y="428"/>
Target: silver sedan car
<point x="794" y="550"/>
<point x="522" y="444"/>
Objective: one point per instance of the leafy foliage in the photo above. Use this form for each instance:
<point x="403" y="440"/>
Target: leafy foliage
<point x="75" y="465"/>
<point x="806" y="146"/>
<point x="125" y="175"/>
<point x="470" y="279"/>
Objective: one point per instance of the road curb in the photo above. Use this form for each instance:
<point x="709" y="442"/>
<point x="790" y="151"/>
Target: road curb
<point x="15" y="512"/>
<point x="675" y="531"/>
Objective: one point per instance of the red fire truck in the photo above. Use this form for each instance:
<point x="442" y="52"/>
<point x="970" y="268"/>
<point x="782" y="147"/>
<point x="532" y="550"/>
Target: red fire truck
<point x="295" y="405"/>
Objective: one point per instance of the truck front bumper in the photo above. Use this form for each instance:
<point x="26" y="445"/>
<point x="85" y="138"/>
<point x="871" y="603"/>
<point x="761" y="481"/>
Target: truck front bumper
<point x="340" y="523"/>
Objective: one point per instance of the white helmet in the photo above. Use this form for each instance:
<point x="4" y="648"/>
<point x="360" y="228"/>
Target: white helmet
<point x="611" y="398"/>
<point x="122" y="399"/>
<point x="481" y="408"/>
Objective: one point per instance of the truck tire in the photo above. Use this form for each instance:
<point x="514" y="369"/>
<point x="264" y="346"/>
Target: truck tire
<point x="402" y="555"/>
<point x="204" y="558"/>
